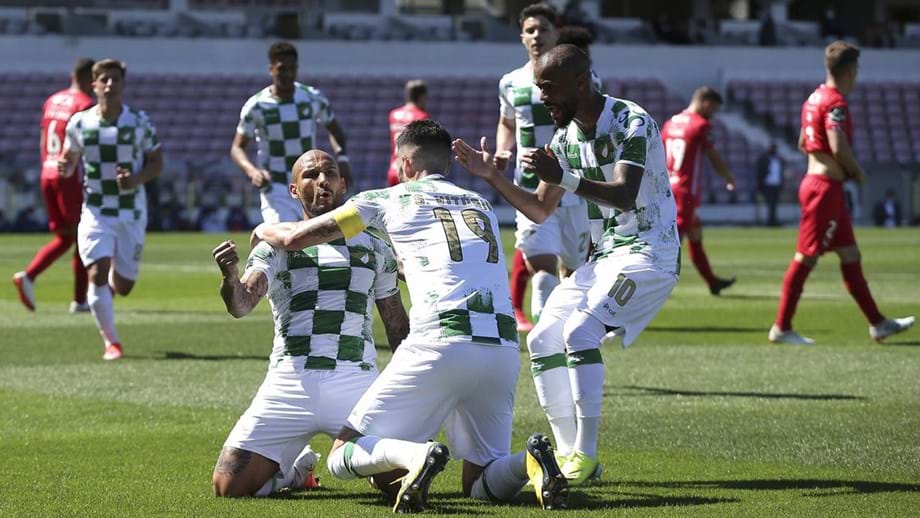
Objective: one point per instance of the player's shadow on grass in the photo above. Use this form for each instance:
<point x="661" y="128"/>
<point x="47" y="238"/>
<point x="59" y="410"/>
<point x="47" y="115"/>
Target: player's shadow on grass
<point x="438" y="503"/>
<point x="704" y="329"/>
<point x="813" y="487"/>
<point x="902" y="344"/>
<point x="655" y="391"/>
<point x="179" y="355"/>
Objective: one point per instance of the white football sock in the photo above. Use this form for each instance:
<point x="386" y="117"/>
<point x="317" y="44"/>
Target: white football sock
<point x="99" y="299"/>
<point x="583" y="335"/>
<point x="370" y="455"/>
<point x="277" y="482"/>
<point x="551" y="379"/>
<point x="502" y="479"/>
<point x="543" y="284"/>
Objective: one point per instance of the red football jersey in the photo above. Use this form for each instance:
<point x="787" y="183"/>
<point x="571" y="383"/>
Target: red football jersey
<point x="56" y="112"/>
<point x="399" y="119"/>
<point x="825" y="110"/>
<point x="685" y="136"/>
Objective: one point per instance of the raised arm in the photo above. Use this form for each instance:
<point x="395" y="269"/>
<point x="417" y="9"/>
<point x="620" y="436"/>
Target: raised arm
<point x="302" y="234"/>
<point x="395" y="320"/>
<point x="537" y="205"/>
<point x="240" y="296"/>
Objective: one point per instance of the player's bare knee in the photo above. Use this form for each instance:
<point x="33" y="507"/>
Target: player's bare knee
<point x="849" y="254"/>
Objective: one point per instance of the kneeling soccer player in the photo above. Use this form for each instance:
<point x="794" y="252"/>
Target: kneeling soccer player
<point x="323" y="358"/>
<point x="458" y="367"/>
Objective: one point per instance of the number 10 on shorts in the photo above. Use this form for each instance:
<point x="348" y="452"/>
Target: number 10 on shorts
<point x="623" y="290"/>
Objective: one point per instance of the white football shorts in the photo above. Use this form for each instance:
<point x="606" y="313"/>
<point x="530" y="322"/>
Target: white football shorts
<point x="623" y="290"/>
<point x="294" y="404"/>
<point x="466" y="387"/>
<point x="122" y="240"/>
<point x="278" y="206"/>
<point x="565" y="234"/>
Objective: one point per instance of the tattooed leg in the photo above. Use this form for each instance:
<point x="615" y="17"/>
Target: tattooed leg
<point x="241" y="473"/>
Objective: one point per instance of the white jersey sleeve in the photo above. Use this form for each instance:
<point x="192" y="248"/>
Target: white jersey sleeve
<point x="149" y="139"/>
<point x="505" y="98"/>
<point x="322" y="109"/>
<point x="263" y="259"/>
<point x="72" y="140"/>
<point x="247" y="125"/>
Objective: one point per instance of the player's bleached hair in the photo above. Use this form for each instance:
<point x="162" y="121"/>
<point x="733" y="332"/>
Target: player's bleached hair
<point x="430" y="143"/>
<point x="107" y="65"/>
<point x="540" y="9"/>
<point x="575" y="35"/>
<point x="839" y="56"/>
<point x="281" y="49"/>
<point x="415" y="89"/>
<point x="83" y="69"/>
<point x="706" y="93"/>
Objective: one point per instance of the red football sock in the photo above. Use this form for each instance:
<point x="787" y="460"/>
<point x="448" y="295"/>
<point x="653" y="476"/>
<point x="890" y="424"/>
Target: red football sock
<point x="858" y="287"/>
<point x="80" y="279"/>
<point x="793" y="283"/>
<point x="698" y="256"/>
<point x="47" y="254"/>
<point x="520" y="276"/>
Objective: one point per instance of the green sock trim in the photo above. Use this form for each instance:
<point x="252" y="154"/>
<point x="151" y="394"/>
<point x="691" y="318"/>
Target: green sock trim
<point x="346" y="455"/>
<point x="540" y="365"/>
<point x="586" y="357"/>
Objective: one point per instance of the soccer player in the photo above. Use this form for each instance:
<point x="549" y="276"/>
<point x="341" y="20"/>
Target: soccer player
<point x="525" y="121"/>
<point x="609" y="152"/>
<point x="323" y="355"/>
<point x="120" y="152"/>
<point x="63" y="196"/>
<point x="825" y="225"/>
<point x="282" y="118"/>
<point x="458" y="367"/>
<point x="686" y="139"/>
<point x="413" y="110"/>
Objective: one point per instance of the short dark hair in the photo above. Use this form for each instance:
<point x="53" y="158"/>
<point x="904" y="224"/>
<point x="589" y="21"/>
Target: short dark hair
<point x="706" y="93"/>
<point x="840" y="55"/>
<point x="575" y="35"/>
<point x="281" y="49"/>
<point x="109" y="64"/>
<point x="415" y="89"/>
<point x="431" y="142"/>
<point x="83" y="69"/>
<point x="541" y="9"/>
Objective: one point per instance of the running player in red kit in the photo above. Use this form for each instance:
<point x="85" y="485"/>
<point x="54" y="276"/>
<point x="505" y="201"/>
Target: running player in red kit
<point x="413" y="110"/>
<point x="63" y="196"/>
<point x="825" y="225"/>
<point x="686" y="139"/>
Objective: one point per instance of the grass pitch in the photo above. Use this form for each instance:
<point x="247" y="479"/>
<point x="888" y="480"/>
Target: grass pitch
<point x="701" y="417"/>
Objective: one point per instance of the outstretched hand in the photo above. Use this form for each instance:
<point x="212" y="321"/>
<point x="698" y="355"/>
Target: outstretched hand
<point x="478" y="163"/>
<point x="542" y="161"/>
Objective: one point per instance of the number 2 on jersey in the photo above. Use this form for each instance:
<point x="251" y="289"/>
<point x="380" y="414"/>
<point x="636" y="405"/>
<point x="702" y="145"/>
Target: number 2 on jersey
<point x="477" y="222"/>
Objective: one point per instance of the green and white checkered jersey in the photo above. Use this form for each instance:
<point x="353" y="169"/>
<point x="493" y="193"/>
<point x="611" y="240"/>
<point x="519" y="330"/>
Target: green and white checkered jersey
<point x="448" y="241"/>
<point x="284" y="130"/>
<point x="520" y="100"/>
<point x="624" y="133"/>
<point x="322" y="298"/>
<point x="106" y="146"/>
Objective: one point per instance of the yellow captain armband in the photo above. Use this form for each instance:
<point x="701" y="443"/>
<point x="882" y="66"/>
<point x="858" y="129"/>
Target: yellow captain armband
<point x="349" y="220"/>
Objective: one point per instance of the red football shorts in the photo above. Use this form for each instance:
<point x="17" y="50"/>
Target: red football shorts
<point x="63" y="200"/>
<point x="825" y="223"/>
<point x="687" y="218"/>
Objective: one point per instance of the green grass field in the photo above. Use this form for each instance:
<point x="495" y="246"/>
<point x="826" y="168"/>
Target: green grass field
<point x="701" y="417"/>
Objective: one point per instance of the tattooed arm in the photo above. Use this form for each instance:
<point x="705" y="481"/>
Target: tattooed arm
<point x="395" y="320"/>
<point x="298" y="236"/>
<point x="239" y="295"/>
